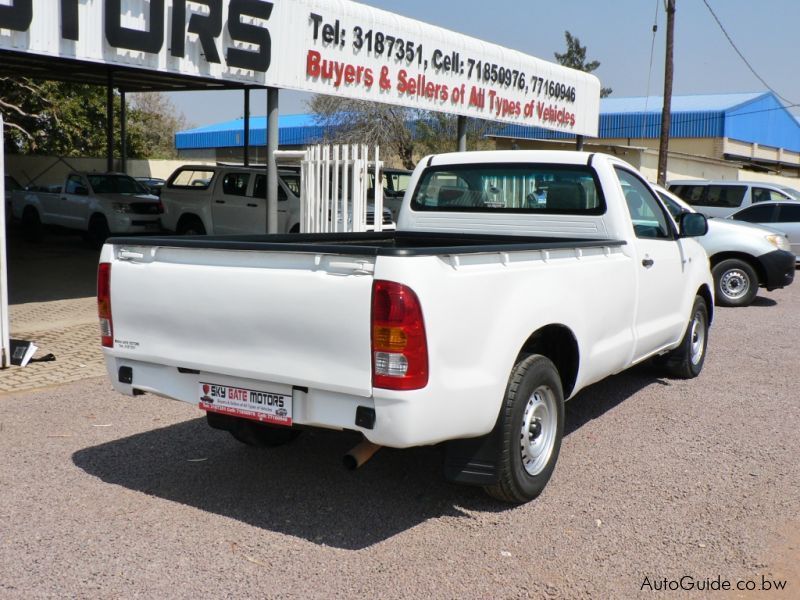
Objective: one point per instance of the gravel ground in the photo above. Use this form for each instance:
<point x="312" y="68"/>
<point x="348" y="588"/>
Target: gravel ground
<point x="104" y="496"/>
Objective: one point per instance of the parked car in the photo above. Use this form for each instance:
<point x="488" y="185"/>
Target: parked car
<point x="720" y="198"/>
<point x="395" y="184"/>
<point x="515" y="279"/>
<point x="743" y="257"/>
<point x="783" y="216"/>
<point x="225" y="200"/>
<point x="97" y="204"/>
<point x="11" y="185"/>
<point x="154" y="184"/>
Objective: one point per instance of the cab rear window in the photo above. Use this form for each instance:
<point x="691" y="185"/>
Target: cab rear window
<point x="191" y="178"/>
<point x="509" y="188"/>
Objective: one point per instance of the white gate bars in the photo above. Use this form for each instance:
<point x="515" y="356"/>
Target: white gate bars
<point x="334" y="185"/>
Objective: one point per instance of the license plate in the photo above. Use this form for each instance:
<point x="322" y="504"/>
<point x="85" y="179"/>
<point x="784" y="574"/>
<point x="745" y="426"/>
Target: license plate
<point x="258" y="405"/>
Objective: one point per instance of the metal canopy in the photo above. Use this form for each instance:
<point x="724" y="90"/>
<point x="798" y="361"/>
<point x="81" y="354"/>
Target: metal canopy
<point x="18" y="64"/>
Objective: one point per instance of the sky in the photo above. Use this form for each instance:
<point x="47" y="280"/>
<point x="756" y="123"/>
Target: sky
<point x="618" y="33"/>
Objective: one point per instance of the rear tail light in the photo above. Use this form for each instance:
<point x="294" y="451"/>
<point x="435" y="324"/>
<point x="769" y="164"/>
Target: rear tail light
<point x="399" y="344"/>
<point x="104" y="305"/>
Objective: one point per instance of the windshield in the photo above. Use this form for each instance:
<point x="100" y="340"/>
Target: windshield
<point x="509" y="188"/>
<point x="673" y="207"/>
<point x="116" y="184"/>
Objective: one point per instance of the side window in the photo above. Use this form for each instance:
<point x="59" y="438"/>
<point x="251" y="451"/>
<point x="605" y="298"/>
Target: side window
<point x="649" y="219"/>
<point x="725" y="196"/>
<point x="693" y="194"/>
<point x="235" y="184"/>
<point x="757" y="214"/>
<point x="73" y="183"/>
<point x="260" y="187"/>
<point x="789" y="214"/>
<point x="760" y="194"/>
<point x="292" y="183"/>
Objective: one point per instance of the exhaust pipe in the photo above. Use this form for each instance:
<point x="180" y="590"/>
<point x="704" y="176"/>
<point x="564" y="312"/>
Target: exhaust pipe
<point x="360" y="454"/>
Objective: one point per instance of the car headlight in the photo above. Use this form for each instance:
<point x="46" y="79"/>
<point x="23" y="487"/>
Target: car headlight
<point x="780" y="241"/>
<point x="121" y="207"/>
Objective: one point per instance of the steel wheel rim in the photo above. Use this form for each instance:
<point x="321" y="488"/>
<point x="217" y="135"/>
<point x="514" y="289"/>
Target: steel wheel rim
<point x="698" y="334"/>
<point x="734" y="283"/>
<point x="538" y="431"/>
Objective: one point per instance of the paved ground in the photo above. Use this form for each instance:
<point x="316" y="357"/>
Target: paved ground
<point x="66" y="328"/>
<point x="52" y="297"/>
<point x="104" y="496"/>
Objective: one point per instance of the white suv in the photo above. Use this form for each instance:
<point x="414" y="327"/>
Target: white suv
<point x="722" y="197"/>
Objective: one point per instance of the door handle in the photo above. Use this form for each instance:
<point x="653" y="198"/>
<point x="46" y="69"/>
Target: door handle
<point x="63" y="197"/>
<point x="220" y="201"/>
<point x="252" y="205"/>
<point x="647" y="262"/>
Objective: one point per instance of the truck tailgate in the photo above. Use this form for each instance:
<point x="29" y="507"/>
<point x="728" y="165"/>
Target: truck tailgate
<point x="294" y="318"/>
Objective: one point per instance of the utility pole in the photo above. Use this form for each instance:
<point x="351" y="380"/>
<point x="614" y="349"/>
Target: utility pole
<point x="666" y="111"/>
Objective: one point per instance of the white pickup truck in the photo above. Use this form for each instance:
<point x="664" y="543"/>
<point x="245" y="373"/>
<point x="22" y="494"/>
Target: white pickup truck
<point x="515" y="279"/>
<point x="96" y="204"/>
<point x="230" y="200"/>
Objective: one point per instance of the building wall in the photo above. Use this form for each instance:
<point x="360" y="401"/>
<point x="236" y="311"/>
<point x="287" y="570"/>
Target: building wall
<point x="679" y="166"/>
<point x="51" y="170"/>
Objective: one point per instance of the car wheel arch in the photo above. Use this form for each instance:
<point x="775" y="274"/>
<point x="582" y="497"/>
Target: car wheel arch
<point x="747" y="258"/>
<point x="558" y="343"/>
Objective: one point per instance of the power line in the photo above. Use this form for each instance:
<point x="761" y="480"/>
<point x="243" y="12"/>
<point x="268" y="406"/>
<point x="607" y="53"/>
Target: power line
<point x="650" y="70"/>
<point x="749" y="66"/>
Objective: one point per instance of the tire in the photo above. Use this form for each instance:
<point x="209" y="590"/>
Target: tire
<point x="686" y="361"/>
<point x="32" y="229"/>
<point x="532" y="425"/>
<point x="735" y="283"/>
<point x="190" y="226"/>
<point x="98" y="231"/>
<point x="252" y="433"/>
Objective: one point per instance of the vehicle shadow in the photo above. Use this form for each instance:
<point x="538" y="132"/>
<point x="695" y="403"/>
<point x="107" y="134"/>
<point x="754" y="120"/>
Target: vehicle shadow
<point x="302" y="489"/>
<point x="762" y="301"/>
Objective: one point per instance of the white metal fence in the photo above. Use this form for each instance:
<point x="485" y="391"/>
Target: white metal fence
<point x="335" y="181"/>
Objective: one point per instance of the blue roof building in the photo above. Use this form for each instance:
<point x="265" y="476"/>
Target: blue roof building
<point x="755" y="128"/>
<point x="745" y="130"/>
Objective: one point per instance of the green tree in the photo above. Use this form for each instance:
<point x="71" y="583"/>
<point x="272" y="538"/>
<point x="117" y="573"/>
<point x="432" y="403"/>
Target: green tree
<point x="153" y="121"/>
<point x="69" y="119"/>
<point x="575" y="58"/>
<point x="404" y="133"/>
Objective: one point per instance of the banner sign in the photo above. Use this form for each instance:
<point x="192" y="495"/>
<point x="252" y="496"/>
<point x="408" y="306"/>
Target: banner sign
<point x="323" y="46"/>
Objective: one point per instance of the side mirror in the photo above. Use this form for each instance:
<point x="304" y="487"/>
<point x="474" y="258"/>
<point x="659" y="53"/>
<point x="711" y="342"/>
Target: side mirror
<point x="82" y="190"/>
<point x="693" y="225"/>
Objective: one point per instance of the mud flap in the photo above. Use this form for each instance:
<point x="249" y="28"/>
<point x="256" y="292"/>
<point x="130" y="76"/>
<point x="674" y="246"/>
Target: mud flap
<point x="473" y="461"/>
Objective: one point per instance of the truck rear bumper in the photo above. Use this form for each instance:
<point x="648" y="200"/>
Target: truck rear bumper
<point x="401" y="420"/>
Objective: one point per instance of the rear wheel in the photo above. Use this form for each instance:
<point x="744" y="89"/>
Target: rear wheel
<point x="735" y="283"/>
<point x="32" y="228"/>
<point x="532" y="422"/>
<point x="191" y="226"/>
<point x="686" y="361"/>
